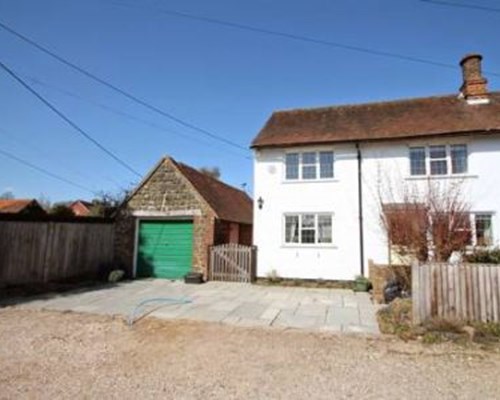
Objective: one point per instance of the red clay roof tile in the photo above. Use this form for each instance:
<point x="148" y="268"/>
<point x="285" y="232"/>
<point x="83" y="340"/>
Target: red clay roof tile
<point x="413" y="118"/>
<point x="229" y="203"/>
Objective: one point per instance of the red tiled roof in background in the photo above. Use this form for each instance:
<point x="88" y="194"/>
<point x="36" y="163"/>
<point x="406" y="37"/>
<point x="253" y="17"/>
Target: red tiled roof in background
<point x="81" y="208"/>
<point x="229" y="203"/>
<point x="403" y="119"/>
<point x="15" y="206"/>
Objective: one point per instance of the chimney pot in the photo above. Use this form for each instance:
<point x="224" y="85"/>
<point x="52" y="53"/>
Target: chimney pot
<point x="474" y="86"/>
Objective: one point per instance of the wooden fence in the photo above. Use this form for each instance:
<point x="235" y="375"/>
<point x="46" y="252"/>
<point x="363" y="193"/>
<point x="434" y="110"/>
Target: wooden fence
<point x="232" y="263"/>
<point x="35" y="252"/>
<point x="470" y="292"/>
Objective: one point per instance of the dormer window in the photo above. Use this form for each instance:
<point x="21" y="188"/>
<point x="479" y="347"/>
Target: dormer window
<point x="309" y="165"/>
<point x="438" y="160"/>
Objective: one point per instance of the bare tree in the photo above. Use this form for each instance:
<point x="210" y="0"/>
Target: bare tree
<point x="213" y="172"/>
<point x="7" y="195"/>
<point x="105" y="204"/>
<point x="426" y="220"/>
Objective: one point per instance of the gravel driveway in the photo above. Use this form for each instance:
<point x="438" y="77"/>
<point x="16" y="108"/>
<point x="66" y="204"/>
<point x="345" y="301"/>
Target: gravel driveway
<point x="47" y="354"/>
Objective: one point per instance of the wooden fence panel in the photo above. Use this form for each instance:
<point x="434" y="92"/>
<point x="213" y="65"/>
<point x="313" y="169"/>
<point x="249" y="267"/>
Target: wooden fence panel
<point x="45" y="251"/>
<point x="467" y="291"/>
<point x="232" y="263"/>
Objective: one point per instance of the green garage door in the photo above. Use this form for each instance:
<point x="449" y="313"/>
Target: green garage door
<point x="165" y="249"/>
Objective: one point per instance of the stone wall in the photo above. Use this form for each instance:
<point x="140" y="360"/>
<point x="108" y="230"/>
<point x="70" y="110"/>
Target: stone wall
<point x="165" y="195"/>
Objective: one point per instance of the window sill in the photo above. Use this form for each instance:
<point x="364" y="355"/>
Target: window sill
<point x="309" y="246"/>
<point x="440" y="177"/>
<point x="326" y="180"/>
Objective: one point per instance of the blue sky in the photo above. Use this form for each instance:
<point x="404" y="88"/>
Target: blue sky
<point x="225" y="80"/>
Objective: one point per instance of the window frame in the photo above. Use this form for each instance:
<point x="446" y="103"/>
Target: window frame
<point x="317" y="165"/>
<point x="447" y="158"/>
<point x="315" y="229"/>
<point x="474" y="216"/>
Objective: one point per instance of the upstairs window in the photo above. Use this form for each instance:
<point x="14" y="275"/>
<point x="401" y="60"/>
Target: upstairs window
<point x="308" y="228"/>
<point x="309" y="165"/>
<point x="417" y="160"/>
<point x="292" y="166"/>
<point x="438" y="160"/>
<point x="458" y="158"/>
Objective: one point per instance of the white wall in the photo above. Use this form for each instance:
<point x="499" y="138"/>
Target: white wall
<point x="384" y="165"/>
<point x="339" y="196"/>
<point x="386" y="172"/>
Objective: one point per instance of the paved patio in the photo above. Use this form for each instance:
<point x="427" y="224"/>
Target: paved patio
<point x="335" y="310"/>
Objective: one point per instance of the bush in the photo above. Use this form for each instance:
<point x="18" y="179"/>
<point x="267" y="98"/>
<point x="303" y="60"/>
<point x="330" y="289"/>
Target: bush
<point x="396" y="319"/>
<point x="484" y="256"/>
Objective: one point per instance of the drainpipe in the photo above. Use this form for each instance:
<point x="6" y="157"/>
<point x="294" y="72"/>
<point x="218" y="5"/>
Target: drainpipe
<point x="360" y="212"/>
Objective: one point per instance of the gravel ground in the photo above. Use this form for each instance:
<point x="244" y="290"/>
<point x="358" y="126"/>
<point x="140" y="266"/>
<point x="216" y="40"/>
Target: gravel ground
<point x="66" y="355"/>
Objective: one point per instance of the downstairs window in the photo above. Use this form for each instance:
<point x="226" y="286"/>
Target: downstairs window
<point x="308" y="228"/>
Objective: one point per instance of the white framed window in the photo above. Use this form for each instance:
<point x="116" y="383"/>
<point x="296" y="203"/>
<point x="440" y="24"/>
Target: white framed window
<point x="438" y="160"/>
<point x="309" y="165"/>
<point x="308" y="228"/>
<point x="458" y="154"/>
<point x="417" y="161"/>
<point x="292" y="166"/>
<point x="483" y="229"/>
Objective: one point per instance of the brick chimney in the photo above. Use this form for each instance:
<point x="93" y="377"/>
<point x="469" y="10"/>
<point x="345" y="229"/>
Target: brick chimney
<point x="474" y="87"/>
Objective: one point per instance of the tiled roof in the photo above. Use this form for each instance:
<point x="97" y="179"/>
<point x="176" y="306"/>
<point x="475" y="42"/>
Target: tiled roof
<point x="229" y="203"/>
<point x="14" y="206"/>
<point x="403" y="119"/>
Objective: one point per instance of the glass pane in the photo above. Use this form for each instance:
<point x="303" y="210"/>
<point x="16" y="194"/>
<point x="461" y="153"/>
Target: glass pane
<point x="307" y="232"/>
<point x="326" y="164"/>
<point x="308" y="236"/>
<point x="308" y="221"/>
<point x="459" y="159"/>
<point x="417" y="161"/>
<point x="291" y="229"/>
<point x="324" y="229"/>
<point x="484" y="233"/>
<point x="437" y="151"/>
<point x="309" y="158"/>
<point x="292" y="166"/>
<point x="439" y="167"/>
<point x="308" y="165"/>
<point x="309" y="172"/>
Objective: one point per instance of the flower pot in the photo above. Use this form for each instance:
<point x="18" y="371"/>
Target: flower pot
<point x="194" y="278"/>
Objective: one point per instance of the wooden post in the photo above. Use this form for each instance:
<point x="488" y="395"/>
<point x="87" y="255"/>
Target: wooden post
<point x="415" y="292"/>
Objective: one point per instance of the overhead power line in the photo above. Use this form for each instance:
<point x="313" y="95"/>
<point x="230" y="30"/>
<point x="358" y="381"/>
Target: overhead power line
<point x="123" y="92"/>
<point x="462" y="5"/>
<point x="44" y="171"/>
<point x="124" y="114"/>
<point x="296" y="37"/>
<point x="67" y="120"/>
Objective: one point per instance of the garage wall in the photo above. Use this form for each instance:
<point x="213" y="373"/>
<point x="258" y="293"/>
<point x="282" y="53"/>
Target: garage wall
<point x="164" y="195"/>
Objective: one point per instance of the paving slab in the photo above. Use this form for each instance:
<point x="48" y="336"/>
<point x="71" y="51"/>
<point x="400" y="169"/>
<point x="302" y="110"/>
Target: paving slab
<point x="325" y="310"/>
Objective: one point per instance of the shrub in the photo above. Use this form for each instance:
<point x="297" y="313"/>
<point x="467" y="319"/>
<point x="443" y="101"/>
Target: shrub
<point x="396" y="319"/>
<point x="484" y="256"/>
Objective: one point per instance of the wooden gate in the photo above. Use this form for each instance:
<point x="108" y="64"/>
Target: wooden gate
<point x="232" y="263"/>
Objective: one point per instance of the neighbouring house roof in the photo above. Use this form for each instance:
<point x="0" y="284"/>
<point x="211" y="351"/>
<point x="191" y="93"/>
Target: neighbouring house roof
<point x="87" y="204"/>
<point x="81" y="207"/>
<point x="402" y="119"/>
<point x="17" y="206"/>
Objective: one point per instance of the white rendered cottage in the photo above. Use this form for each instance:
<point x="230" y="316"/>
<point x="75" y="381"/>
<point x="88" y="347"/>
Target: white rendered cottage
<point x="321" y="175"/>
